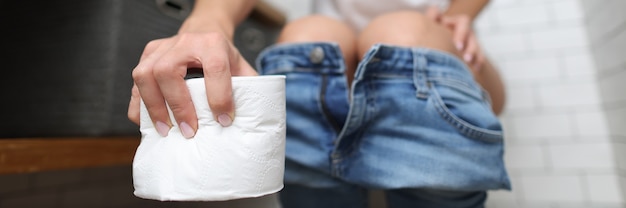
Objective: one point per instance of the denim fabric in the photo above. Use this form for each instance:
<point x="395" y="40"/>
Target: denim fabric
<point x="413" y="118"/>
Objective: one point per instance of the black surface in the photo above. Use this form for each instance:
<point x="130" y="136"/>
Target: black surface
<point x="67" y="64"/>
<point x="66" y="68"/>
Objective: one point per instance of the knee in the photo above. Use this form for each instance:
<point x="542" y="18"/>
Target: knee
<point x="317" y="28"/>
<point x="405" y="28"/>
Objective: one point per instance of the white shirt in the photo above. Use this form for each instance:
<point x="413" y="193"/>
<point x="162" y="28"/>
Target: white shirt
<point x="358" y="13"/>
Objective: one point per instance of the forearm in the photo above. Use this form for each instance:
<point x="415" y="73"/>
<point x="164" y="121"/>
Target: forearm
<point x="468" y="7"/>
<point x="217" y="16"/>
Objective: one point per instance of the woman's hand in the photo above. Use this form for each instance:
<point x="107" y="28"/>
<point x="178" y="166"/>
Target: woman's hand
<point x="462" y="35"/>
<point x="159" y="79"/>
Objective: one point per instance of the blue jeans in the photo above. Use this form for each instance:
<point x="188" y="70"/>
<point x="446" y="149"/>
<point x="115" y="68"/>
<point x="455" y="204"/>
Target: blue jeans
<point x="414" y="119"/>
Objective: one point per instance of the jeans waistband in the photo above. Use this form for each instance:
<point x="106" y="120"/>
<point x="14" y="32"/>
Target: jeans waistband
<point x="380" y="61"/>
<point x="321" y="57"/>
<point x="387" y="60"/>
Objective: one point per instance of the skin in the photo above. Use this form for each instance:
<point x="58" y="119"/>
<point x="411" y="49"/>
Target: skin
<point x="205" y="41"/>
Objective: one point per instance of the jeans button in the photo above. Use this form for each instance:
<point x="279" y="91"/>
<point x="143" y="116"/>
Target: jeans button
<point x="317" y="55"/>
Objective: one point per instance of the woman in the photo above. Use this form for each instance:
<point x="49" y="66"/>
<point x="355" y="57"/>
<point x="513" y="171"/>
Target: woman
<point x="380" y="94"/>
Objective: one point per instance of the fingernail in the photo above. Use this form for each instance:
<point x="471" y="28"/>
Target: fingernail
<point x="467" y="57"/>
<point x="186" y="130"/>
<point x="162" y="128"/>
<point x="224" y="120"/>
<point x="459" y="46"/>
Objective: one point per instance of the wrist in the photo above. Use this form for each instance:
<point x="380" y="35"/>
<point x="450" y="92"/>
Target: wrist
<point x="205" y="23"/>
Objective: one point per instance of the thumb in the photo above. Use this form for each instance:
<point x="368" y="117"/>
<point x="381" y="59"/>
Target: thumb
<point x="133" y="106"/>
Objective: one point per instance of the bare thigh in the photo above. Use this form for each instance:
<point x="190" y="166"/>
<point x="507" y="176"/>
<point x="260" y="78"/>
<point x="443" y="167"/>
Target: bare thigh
<point x="405" y="28"/>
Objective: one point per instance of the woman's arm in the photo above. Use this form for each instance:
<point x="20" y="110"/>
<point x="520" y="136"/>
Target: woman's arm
<point x="211" y="16"/>
<point x="484" y="71"/>
<point x="471" y="8"/>
<point x="203" y="41"/>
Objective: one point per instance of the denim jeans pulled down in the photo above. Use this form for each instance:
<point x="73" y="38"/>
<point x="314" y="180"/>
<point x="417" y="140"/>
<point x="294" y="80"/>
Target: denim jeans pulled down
<point x="413" y="118"/>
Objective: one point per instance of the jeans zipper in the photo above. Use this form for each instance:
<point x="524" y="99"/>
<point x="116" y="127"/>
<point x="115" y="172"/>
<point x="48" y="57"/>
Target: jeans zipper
<point x="325" y="111"/>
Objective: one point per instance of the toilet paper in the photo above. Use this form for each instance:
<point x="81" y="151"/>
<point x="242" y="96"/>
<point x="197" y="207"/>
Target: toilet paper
<point x="219" y="163"/>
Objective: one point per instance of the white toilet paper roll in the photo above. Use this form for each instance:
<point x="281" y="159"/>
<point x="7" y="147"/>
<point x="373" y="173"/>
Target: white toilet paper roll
<point x="218" y="163"/>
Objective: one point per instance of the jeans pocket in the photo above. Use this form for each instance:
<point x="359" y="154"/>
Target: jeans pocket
<point x="464" y="105"/>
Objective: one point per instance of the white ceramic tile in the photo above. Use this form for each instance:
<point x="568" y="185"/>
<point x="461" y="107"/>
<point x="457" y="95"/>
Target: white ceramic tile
<point x="579" y="65"/>
<point x="520" y="98"/>
<point x="522" y="14"/>
<point x="292" y="9"/>
<point x="582" y="155"/>
<point x="501" y="198"/>
<point x="539" y="126"/>
<point x="567" y="10"/>
<point x="503" y="43"/>
<point x="534" y="68"/>
<point x="592" y="124"/>
<point x="524" y="156"/>
<point x="552" y="188"/>
<point x="570" y="94"/>
<point x="558" y="38"/>
<point x="605" y="189"/>
<point x="503" y="3"/>
<point x="494" y="203"/>
<point x="542" y="1"/>
<point x="527" y="204"/>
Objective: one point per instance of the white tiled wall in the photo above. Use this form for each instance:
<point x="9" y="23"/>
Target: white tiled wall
<point x="606" y="23"/>
<point x="564" y="66"/>
<point x="293" y="9"/>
